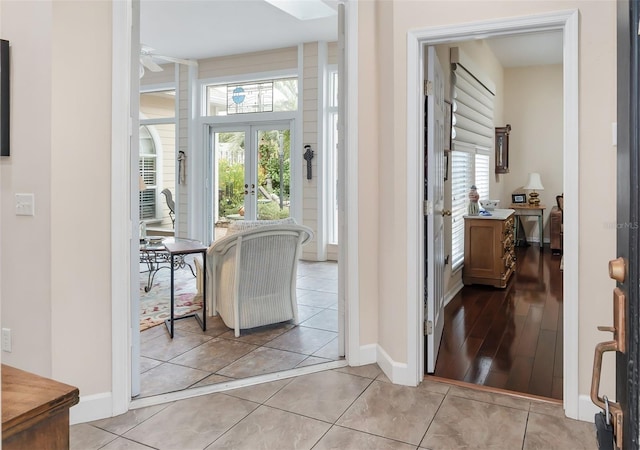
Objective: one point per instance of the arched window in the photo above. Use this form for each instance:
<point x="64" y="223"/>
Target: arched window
<point x="148" y="165"/>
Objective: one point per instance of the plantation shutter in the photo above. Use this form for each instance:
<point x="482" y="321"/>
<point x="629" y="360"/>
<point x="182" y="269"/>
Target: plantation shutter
<point x="482" y="174"/>
<point x="472" y="134"/>
<point x="461" y="180"/>
<point x="147" y="166"/>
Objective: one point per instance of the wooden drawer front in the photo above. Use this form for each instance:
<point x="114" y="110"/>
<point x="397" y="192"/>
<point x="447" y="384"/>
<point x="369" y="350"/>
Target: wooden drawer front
<point x="507" y="245"/>
<point x="509" y="261"/>
<point x="507" y="224"/>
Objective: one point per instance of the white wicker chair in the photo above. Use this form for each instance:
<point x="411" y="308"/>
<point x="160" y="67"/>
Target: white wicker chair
<point x="251" y="275"/>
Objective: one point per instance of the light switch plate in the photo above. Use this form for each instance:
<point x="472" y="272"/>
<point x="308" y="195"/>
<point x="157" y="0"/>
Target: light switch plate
<point x="25" y="205"/>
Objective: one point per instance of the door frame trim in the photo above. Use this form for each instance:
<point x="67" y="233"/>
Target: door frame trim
<point x="124" y="183"/>
<point x="568" y="22"/>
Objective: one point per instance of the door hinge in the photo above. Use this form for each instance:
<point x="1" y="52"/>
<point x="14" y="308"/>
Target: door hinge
<point x="428" y="88"/>
<point x="428" y="327"/>
<point x="427" y="207"/>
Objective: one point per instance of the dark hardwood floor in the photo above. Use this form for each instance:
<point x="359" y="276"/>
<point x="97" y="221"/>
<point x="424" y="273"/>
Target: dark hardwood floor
<point x="508" y="338"/>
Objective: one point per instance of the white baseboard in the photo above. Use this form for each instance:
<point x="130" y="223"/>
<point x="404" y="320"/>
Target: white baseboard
<point x="91" y="407"/>
<point x="453" y="291"/>
<point x="397" y="372"/>
<point x="368" y="355"/>
<point x="586" y="409"/>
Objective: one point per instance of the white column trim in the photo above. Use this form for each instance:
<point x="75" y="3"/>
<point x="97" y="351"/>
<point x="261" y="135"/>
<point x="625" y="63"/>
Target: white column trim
<point x="121" y="224"/>
<point x="321" y="153"/>
<point x="559" y="20"/>
<point x="196" y="163"/>
<point x="571" y="221"/>
<point x="348" y="187"/>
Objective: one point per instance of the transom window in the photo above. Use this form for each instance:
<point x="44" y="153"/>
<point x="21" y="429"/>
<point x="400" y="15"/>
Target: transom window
<point x="252" y="97"/>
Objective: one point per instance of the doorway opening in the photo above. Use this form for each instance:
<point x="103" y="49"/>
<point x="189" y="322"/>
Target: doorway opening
<point x="566" y="23"/>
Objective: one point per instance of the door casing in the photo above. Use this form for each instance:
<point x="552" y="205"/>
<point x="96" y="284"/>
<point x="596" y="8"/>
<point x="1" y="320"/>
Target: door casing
<point x="567" y="21"/>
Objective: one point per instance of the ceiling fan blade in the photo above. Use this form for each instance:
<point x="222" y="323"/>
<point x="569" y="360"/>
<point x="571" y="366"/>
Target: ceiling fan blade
<point x="186" y="62"/>
<point x="147" y="62"/>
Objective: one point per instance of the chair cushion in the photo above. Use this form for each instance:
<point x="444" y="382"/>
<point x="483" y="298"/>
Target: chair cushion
<point x="244" y="225"/>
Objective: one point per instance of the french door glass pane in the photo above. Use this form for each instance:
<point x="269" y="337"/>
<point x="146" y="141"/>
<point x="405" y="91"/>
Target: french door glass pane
<point x="229" y="154"/>
<point x="274" y="174"/>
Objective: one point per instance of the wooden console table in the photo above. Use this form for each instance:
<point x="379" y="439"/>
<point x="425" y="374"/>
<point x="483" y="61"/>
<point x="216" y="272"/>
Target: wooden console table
<point x="534" y="211"/>
<point x="489" y="256"/>
<point x="35" y="411"/>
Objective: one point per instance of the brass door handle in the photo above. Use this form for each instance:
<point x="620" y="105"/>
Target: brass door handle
<point x="614" y="408"/>
<point x="618" y="344"/>
<point x="446" y="212"/>
<point x="617" y="269"/>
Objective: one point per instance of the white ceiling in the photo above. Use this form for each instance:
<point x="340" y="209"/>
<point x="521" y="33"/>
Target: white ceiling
<point x="198" y="29"/>
<point x="530" y="49"/>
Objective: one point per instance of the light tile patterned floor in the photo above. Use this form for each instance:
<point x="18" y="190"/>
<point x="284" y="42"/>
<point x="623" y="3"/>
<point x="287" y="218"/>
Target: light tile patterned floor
<point x="195" y="358"/>
<point x="346" y="408"/>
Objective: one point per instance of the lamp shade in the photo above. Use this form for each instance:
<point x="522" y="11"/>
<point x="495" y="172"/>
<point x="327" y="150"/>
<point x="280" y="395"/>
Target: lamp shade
<point x="534" y="183"/>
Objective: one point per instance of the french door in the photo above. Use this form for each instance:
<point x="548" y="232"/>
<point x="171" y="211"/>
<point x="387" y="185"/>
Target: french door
<point x="251" y="172"/>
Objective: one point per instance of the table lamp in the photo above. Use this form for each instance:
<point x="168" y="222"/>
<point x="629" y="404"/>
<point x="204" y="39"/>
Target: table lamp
<point x="534" y="184"/>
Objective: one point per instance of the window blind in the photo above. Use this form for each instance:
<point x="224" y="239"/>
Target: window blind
<point x="482" y="173"/>
<point x="461" y="180"/>
<point x="472" y="110"/>
<point x="472" y="95"/>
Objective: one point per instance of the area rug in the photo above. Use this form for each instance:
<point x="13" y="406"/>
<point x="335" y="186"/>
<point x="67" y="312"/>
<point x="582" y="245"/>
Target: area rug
<point x="155" y="304"/>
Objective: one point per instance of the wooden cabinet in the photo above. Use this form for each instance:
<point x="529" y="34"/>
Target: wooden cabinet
<point x="35" y="411"/>
<point x="489" y="256"/>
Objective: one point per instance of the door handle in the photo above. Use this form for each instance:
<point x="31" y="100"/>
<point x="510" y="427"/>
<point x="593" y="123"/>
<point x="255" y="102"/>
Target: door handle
<point x="614" y="408"/>
<point x="617" y="269"/>
<point x="445" y="212"/>
<point x="617" y="344"/>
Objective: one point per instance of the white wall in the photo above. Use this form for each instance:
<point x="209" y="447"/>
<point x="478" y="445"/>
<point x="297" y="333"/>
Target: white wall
<point x="533" y="107"/>
<point x="26" y="241"/>
<point x="55" y="276"/>
<point x="389" y="22"/>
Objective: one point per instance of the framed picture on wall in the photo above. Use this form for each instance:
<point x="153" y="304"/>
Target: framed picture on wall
<point x="448" y="117"/>
<point x="518" y="198"/>
<point x="446" y="165"/>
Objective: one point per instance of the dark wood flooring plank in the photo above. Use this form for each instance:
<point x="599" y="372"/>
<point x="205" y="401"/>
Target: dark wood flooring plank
<point x="558" y="368"/>
<point x="556" y="389"/>
<point x="520" y="374"/>
<point x="529" y="338"/>
<point x="550" y="315"/>
<point x="497" y="379"/>
<point x="508" y="338"/>
<point x="542" y="373"/>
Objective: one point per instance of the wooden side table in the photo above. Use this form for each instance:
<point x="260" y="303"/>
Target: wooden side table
<point x="527" y="210"/>
<point x="35" y="411"/>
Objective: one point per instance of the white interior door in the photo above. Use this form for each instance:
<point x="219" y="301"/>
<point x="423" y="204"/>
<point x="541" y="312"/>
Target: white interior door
<point x="434" y="239"/>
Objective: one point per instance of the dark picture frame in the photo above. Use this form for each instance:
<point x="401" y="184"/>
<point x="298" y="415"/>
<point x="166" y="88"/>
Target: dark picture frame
<point x="502" y="149"/>
<point x="5" y="90"/>
<point x="448" y="124"/>
<point x="518" y="198"/>
<point x="446" y="165"/>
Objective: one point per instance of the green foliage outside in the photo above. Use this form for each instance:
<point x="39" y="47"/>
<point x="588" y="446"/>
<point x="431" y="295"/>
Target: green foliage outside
<point x="231" y="174"/>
